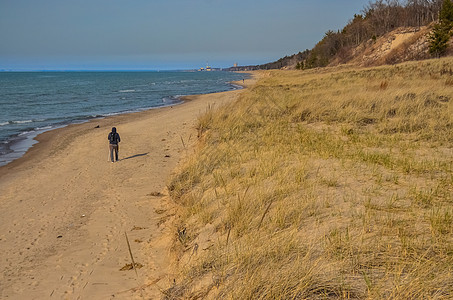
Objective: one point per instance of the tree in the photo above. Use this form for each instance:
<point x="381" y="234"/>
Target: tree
<point x="300" y="65"/>
<point x="312" y="60"/>
<point x="446" y="13"/>
<point x="438" y="40"/>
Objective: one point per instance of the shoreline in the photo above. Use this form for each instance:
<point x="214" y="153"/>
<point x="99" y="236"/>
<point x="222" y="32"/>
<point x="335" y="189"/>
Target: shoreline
<point x="33" y="141"/>
<point x="65" y="208"/>
<point x="25" y="143"/>
<point x="17" y="139"/>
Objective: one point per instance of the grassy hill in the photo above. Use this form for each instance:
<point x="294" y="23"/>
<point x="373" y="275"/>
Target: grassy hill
<point x="322" y="184"/>
<point x="386" y="32"/>
<point x="399" y="45"/>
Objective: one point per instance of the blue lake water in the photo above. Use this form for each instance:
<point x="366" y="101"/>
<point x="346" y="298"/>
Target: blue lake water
<point x="34" y="102"/>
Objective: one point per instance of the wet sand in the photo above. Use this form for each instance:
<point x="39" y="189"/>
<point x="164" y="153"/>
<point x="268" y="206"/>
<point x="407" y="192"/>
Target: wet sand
<point x="65" y="209"/>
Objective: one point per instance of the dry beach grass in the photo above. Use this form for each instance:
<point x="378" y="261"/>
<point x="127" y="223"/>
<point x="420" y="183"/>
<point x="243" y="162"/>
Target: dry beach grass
<point x="333" y="183"/>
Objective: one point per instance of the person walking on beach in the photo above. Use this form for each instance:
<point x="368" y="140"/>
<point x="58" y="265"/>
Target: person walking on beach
<point x="114" y="139"/>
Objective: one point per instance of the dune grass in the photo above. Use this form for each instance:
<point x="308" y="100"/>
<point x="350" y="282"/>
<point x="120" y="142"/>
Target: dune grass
<point x="322" y="184"/>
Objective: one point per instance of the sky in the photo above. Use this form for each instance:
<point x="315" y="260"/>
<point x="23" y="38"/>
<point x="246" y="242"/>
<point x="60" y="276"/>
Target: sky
<point x="162" y="34"/>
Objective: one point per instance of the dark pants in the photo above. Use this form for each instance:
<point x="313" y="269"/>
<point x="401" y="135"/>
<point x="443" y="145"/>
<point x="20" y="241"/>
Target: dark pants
<point x="113" y="148"/>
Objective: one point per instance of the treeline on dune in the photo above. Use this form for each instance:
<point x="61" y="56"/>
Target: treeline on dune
<point x="377" y="19"/>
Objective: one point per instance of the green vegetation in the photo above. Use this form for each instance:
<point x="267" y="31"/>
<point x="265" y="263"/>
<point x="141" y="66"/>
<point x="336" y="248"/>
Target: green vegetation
<point x="327" y="184"/>
<point x="438" y="41"/>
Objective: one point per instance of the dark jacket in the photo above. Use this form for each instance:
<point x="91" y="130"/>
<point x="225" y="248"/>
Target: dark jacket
<point x="114" y="137"/>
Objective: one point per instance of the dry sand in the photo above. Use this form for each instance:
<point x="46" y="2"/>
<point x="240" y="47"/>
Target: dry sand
<point x="64" y="209"/>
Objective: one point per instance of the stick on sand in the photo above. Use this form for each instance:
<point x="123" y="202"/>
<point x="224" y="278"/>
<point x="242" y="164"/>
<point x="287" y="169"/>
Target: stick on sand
<point x="130" y="252"/>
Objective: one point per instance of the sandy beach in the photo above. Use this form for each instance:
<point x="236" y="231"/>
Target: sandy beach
<point x="65" y="208"/>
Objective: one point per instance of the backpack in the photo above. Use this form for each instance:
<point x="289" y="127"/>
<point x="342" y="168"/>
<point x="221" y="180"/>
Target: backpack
<point x="113" y="138"/>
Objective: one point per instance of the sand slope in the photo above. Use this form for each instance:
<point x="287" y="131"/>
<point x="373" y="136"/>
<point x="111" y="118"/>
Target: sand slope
<point x="64" y="209"/>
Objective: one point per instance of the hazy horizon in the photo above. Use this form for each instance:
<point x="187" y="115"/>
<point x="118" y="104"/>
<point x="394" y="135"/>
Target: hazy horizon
<point x="141" y="35"/>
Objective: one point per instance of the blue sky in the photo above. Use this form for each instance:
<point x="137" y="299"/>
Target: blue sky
<point x="161" y="34"/>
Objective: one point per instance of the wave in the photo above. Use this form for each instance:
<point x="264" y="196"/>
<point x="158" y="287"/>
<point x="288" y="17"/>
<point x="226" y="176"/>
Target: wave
<point x="172" y="98"/>
<point x="47" y="76"/>
<point x="236" y="86"/>
<point x="16" y="122"/>
<point x="44" y="128"/>
<point x="126" y="91"/>
<point x="106" y="115"/>
<point x="21" y="122"/>
<point x="26" y="132"/>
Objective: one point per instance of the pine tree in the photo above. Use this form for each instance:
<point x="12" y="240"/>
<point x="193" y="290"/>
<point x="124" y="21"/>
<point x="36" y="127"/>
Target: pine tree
<point x="438" y="40"/>
<point x="300" y="65"/>
<point x="446" y="13"/>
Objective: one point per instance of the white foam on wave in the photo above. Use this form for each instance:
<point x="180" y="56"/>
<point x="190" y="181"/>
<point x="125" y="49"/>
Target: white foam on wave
<point x="236" y="86"/>
<point x="21" y="122"/>
<point x="25" y="132"/>
<point x="111" y="114"/>
<point x="172" y="98"/>
<point x="126" y="91"/>
<point x="4" y="123"/>
<point x="43" y="128"/>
